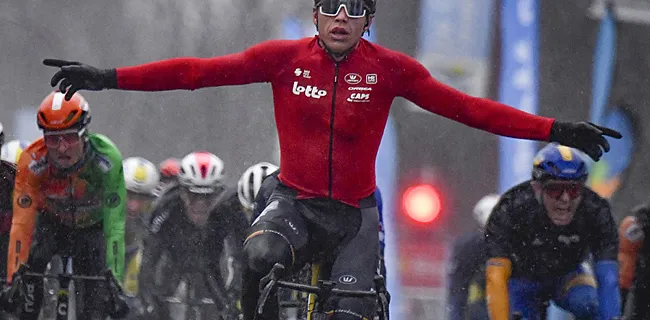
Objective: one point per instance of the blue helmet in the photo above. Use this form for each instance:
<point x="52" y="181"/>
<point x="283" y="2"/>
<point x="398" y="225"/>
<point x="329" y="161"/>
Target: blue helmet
<point x="558" y="162"/>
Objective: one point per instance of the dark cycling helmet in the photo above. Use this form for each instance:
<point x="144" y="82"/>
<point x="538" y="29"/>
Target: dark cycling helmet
<point x="558" y="162"/>
<point x="370" y="5"/>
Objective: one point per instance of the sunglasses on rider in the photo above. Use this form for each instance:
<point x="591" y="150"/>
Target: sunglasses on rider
<point x="70" y="137"/>
<point x="353" y="8"/>
<point x="556" y="190"/>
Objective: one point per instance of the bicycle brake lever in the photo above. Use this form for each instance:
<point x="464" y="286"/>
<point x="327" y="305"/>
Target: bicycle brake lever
<point x="264" y="296"/>
<point x="275" y="275"/>
<point x="267" y="284"/>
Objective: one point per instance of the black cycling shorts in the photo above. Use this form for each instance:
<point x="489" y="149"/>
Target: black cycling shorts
<point x="344" y="237"/>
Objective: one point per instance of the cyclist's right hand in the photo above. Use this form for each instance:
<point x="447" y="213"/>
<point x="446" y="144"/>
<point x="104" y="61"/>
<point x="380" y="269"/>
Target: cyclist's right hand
<point x="74" y="76"/>
<point x="10" y="299"/>
<point x="147" y="310"/>
<point x="119" y="307"/>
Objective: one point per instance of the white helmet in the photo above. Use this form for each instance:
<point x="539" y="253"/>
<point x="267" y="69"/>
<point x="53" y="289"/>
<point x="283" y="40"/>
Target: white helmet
<point x="140" y="175"/>
<point x="201" y="172"/>
<point x="251" y="181"/>
<point x="484" y="207"/>
<point x="12" y="150"/>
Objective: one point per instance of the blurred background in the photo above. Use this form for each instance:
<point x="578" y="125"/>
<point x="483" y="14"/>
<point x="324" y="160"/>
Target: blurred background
<point x="554" y="58"/>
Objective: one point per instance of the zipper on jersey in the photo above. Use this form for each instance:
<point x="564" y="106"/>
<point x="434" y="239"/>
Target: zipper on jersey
<point x="72" y="204"/>
<point x="331" y="150"/>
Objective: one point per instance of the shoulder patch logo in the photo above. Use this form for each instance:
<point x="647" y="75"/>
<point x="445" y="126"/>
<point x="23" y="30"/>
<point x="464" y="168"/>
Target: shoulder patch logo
<point x="157" y="222"/>
<point x="104" y="163"/>
<point x="634" y="233"/>
<point x="113" y="200"/>
<point x="38" y="166"/>
<point x="272" y="206"/>
<point x="24" y="201"/>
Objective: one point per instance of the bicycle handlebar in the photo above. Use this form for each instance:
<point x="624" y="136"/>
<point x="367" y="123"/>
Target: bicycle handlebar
<point x="65" y="276"/>
<point x="324" y="288"/>
<point x="189" y="302"/>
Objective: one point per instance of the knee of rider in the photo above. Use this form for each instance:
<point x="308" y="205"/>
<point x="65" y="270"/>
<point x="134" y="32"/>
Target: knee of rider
<point x="265" y="250"/>
<point x="353" y="308"/>
<point x="583" y="301"/>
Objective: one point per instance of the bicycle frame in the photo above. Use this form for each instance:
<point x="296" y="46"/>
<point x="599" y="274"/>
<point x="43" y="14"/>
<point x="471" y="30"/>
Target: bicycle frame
<point x="64" y="278"/>
<point x="192" y="303"/>
<point x="322" y="291"/>
<point x="311" y="299"/>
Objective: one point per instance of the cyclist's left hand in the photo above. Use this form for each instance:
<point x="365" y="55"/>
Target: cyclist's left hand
<point x="585" y="136"/>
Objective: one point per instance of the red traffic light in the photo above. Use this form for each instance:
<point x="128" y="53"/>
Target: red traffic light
<point x="422" y="203"/>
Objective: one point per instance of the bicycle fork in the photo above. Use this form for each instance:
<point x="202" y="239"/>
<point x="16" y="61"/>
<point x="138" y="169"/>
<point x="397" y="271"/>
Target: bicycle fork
<point x="63" y="295"/>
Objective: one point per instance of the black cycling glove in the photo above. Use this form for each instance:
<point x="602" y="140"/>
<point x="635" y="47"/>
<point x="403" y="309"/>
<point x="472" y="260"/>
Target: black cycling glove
<point x="75" y="76"/>
<point x="585" y="136"/>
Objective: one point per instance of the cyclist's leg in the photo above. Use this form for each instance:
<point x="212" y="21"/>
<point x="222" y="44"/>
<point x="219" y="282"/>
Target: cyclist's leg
<point x="44" y="245"/>
<point x="4" y="246"/>
<point x="577" y="294"/>
<point x="476" y="304"/>
<point x="355" y="265"/>
<point x="524" y="298"/>
<point x="278" y="235"/>
<point x="89" y="258"/>
<point x="198" y="288"/>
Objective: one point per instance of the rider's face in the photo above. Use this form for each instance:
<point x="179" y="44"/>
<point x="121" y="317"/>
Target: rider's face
<point x="65" y="148"/>
<point x="340" y="33"/>
<point x="137" y="205"/>
<point x="198" y="205"/>
<point x="561" y="199"/>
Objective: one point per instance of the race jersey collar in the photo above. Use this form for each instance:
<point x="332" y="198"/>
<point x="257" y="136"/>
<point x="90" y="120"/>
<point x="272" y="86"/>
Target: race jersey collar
<point x="342" y="56"/>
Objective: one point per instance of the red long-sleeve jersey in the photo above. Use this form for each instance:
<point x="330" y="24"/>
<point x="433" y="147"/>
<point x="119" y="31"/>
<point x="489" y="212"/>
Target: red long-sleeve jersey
<point x="331" y="115"/>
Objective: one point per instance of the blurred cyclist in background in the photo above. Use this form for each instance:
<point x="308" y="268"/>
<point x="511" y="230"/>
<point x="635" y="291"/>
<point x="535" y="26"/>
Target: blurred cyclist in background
<point x="249" y="186"/>
<point x="169" y="169"/>
<point x="141" y="178"/>
<point x="12" y="150"/>
<point x="466" y="289"/>
<point x="7" y="177"/>
<point x="196" y="233"/>
<point x="634" y="260"/>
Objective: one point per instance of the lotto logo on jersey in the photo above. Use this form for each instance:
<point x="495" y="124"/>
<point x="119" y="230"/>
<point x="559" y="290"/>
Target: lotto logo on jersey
<point x="310" y="92"/>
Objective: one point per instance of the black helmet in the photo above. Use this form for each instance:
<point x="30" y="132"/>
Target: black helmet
<point x="370" y="5"/>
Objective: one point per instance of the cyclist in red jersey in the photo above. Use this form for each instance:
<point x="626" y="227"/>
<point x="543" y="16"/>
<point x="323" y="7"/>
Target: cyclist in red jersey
<point x="332" y="96"/>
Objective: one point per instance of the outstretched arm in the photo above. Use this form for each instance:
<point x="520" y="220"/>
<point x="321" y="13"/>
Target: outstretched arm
<point x="259" y="63"/>
<point x="417" y="85"/>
